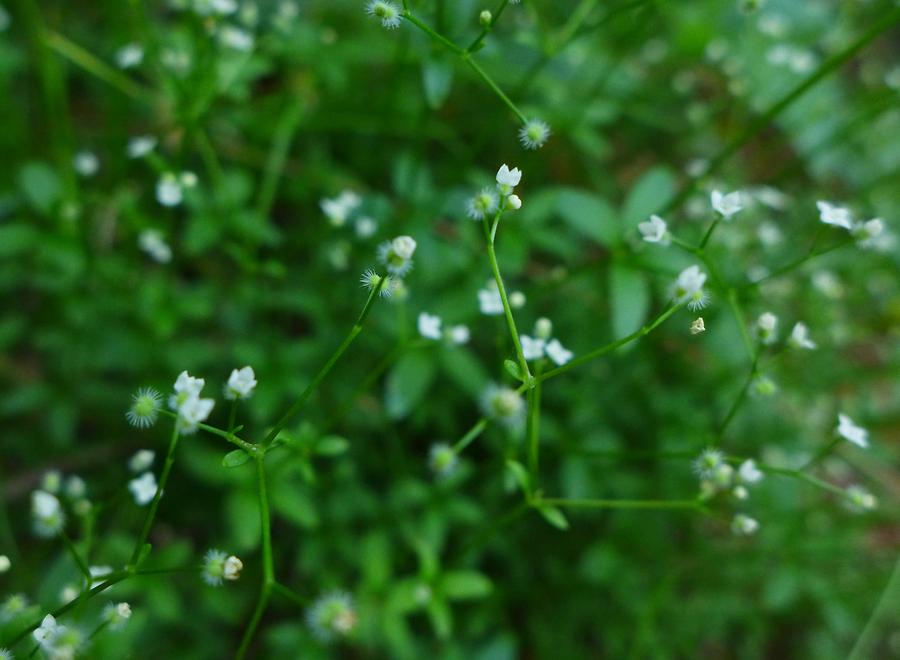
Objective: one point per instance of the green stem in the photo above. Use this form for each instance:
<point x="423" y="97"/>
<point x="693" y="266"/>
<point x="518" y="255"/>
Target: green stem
<point x="796" y="263"/>
<point x="319" y="377"/>
<point x="507" y="310"/>
<point x="603" y="350"/>
<point x="738" y="400"/>
<point x="617" y="504"/>
<point x="434" y="35"/>
<point x="742" y="323"/>
<point x="82" y="564"/>
<point x="471" y="435"/>
<point x="154" y="505"/>
<point x="534" y="428"/>
<point x="708" y="234"/>
<point x="475" y="45"/>
<point x="289" y="594"/>
<point x="822" y="453"/>
<point x="248" y="447"/>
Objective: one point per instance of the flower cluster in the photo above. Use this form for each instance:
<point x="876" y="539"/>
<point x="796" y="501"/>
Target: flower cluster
<point x="186" y="401"/>
<point x="490" y="303"/>
<point x="430" y="327"/>
<point x="170" y="187"/>
<point x="543" y="345"/>
<point x="716" y="475"/>
<point x="866" y="233"/>
<point x="219" y="566"/>
<point x="55" y="640"/>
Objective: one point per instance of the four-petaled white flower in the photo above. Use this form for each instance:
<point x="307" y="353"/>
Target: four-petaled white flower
<point x="849" y="430"/>
<point x="429" y="326"/>
<point x="48" y="633"/>
<point x="655" y="230"/>
<point x="698" y="326"/>
<point x="726" y="205"/>
<point x="867" y="233"/>
<point x="338" y="209"/>
<point x="458" y="334"/>
<point x="532" y="348"/>
<point x="508" y="179"/>
<point x="151" y="242"/>
<point x="800" y="337"/>
<point x="192" y="413"/>
<point x="241" y="384"/>
<point x="766" y="325"/>
<point x="129" y="56"/>
<point x="556" y="352"/>
<point x="834" y="215"/>
<point x="748" y="473"/>
<point x="489" y="301"/>
<point x="688" y="288"/>
<point x="186" y="387"/>
<point x="143" y="488"/>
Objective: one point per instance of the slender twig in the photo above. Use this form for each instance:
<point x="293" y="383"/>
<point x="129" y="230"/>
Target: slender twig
<point x="616" y="504"/>
<point x="82" y="564"/>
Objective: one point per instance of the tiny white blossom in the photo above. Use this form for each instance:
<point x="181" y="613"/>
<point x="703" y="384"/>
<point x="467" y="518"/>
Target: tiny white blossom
<point x="168" y="190"/>
<point x="557" y="353"/>
<point x="482" y="205"/>
<point x="543" y="328"/>
<point x="516" y="299"/>
<point x="116" y="615"/>
<point x="47" y="513"/>
<point x="129" y="56"/>
<point x="851" y="432"/>
<point x="186" y="387"/>
<point x="429" y="326"/>
<point x="397" y="255"/>
<point x="153" y="244"/>
<point x="143" y="488"/>
<point x="365" y="227"/>
<point x="513" y="203"/>
<point x="86" y="163"/>
<point x="688" y="288"/>
<point x="708" y="462"/>
<point x="748" y="473"/>
<point x="332" y="615"/>
<point x="231" y="570"/>
<point x="489" y="301"/>
<point x="859" y="499"/>
<point x="75" y="487"/>
<point x="458" y="335"/>
<point x="800" y="337"/>
<point x="726" y="205"/>
<point x="834" y="215"/>
<point x="698" y="326"/>
<point x="867" y="233"/>
<point x="192" y="413"/>
<point x="51" y="481"/>
<point x="141" y="145"/>
<point x="241" y="384"/>
<point x="236" y="38"/>
<point x="508" y="179"/>
<point x="48" y="632"/>
<point x="534" y="134"/>
<point x="142" y="460"/>
<point x="766" y="326"/>
<point x="655" y="230"/>
<point x="744" y="525"/>
<point x="532" y="349"/>
<point x="5" y="563"/>
<point x="503" y="403"/>
<point x="338" y="209"/>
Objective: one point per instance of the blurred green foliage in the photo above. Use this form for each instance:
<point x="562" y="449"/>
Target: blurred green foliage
<point x="327" y="100"/>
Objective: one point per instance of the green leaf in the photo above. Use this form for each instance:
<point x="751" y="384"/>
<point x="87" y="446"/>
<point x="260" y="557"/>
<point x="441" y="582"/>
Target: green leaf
<point x="441" y="618"/>
<point x="588" y="214"/>
<point x="437" y="79"/>
<point x="648" y="195"/>
<point x="293" y="504"/>
<point x="235" y="458"/>
<point x="520" y="474"/>
<point x="465" y="585"/>
<point x="40" y="185"/>
<point x="629" y="296"/>
<point x="331" y="445"/>
<point x="554" y="516"/>
<point x="512" y="368"/>
<point x="408" y="383"/>
<point x="242" y="515"/>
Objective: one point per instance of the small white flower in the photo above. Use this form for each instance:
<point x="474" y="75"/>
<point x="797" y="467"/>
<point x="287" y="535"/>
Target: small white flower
<point x="332" y="615"/>
<point x="47" y="513"/>
<point x="129" y="56"/>
<point x="236" y="38"/>
<point x="397" y="255"/>
<point x="231" y="570"/>
<point x="503" y="403"/>
<point x="429" y="326"/>
<point x="698" y="326"/>
<point x="800" y="337"/>
<point x="708" y="462"/>
<point x="48" y="632"/>
<point x="188" y="179"/>
<point x="489" y="301"/>
<point x="143" y="488"/>
<point x="141" y="145"/>
<point x="543" y="328"/>
<point x="458" y="335"/>
<point x="168" y="190"/>
<point x="5" y="563"/>
<point x="116" y="614"/>
<point x="532" y="349"/>
<point x="859" y="499"/>
<point x="241" y="384"/>
<point x="726" y="205"/>
<point x="338" y="209"/>
<point x="186" y="387"/>
<point x="766" y="328"/>
<point x="867" y="233"/>
<point x="387" y="12"/>
<point x="557" y="353"/>
<point x="744" y="525"/>
<point x="142" y="460"/>
<point x="688" y="288"/>
<point x="534" y="134"/>
<point x="442" y="459"/>
<point x="834" y="215"/>
<point x="75" y="487"/>
<point x="192" y="413"/>
<point x="655" y="230"/>
<point x="482" y="205"/>
<point x="508" y="179"/>
<point x="98" y="572"/>
<point x="513" y="203"/>
<point x="748" y="473"/>
<point x="516" y="299"/>
<point x="848" y="430"/>
<point x="365" y="227"/>
<point x="86" y="163"/>
<point x="152" y="243"/>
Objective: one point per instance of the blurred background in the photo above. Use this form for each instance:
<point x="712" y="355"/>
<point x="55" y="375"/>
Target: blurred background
<point x="106" y="285"/>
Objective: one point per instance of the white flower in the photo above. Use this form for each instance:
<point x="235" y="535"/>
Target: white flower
<point x="516" y="299"/>
<point x="387" y="12"/>
<point x="365" y="227"/>
<point x="141" y="145"/>
<point x="744" y="525"/>
<point x="655" y="231"/>
<point x="47" y="513"/>
<point x="236" y="38"/>
<point x="186" y="387"/>
<point x="152" y="243"/>
<point x="532" y="349"/>
<point x="231" y="570"/>
<point x="192" y="413"/>
<point x="48" y="633"/>
<point x="86" y="163"/>
<point x="482" y="205"/>
<point x="688" y="288"/>
<point x="867" y="233"/>
<point x="859" y="499"/>
<point x="429" y="326"/>
<point x="241" y="384"/>
<point x="834" y="215"/>
<point x="800" y="337"/>
<point x="168" y="190"/>
<point x="129" y="56"/>
<point x="75" y="487"/>
<point x="726" y="205"/>
<point x="698" y="326"/>
<point x="765" y="327"/>
<point x="143" y="488"/>
<point x="339" y="208"/>
<point x="513" y="203"/>
<point x="708" y="462"/>
<point x="397" y="255"/>
<point x="116" y="614"/>
<point x="142" y="460"/>
<point x="458" y="335"/>
<point x="848" y="430"/>
<point x="98" y="572"/>
<point x="557" y="353"/>
<point x="748" y="473"/>
<point x="442" y="459"/>
<point x="534" y="134"/>
<point x="5" y="563"/>
<point x="543" y="328"/>
<point x="503" y="403"/>
<point x="332" y="615"/>
<point x="508" y="179"/>
<point x="489" y="301"/>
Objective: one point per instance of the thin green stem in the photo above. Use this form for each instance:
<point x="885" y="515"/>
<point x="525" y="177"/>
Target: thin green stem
<point x="822" y="453"/>
<point x="98" y="629"/>
<point x="796" y="263"/>
<point x="742" y="323"/>
<point x="507" y="309"/>
<point x="249" y="447"/>
<point x="475" y="45"/>
<point x="534" y="428"/>
<point x="708" y="234"/>
<point x="278" y="152"/>
<point x="617" y="504"/>
<point x="471" y="434"/>
<point x="433" y="34"/>
<point x="319" y="377"/>
<point x="289" y="594"/>
<point x="82" y="564"/>
<point x="154" y="505"/>
<point x="739" y="399"/>
<point x="603" y="350"/>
